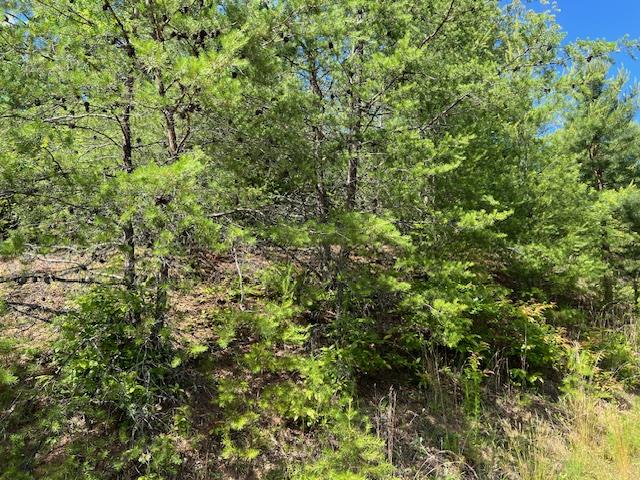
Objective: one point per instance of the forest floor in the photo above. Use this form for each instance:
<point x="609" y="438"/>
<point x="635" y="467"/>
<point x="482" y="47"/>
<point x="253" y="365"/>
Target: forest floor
<point x="429" y="432"/>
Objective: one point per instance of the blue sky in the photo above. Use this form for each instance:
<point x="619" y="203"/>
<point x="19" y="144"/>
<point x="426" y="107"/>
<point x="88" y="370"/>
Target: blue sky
<point x="608" y="19"/>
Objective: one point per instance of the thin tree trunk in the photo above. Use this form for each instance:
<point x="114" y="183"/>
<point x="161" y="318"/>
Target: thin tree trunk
<point x="607" y="281"/>
<point x="351" y="186"/>
<point x="128" y="228"/>
<point x="355" y="141"/>
<point x="321" y="193"/>
<point x="636" y="293"/>
<point x="162" y="282"/>
<point x="352" y="171"/>
<point x="169" y="120"/>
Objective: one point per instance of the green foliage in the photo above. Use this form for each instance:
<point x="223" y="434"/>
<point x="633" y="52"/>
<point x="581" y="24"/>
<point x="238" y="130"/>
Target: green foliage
<point x="582" y="369"/>
<point x="106" y="359"/>
<point x="472" y="376"/>
<point x="7" y="377"/>
<point x="110" y="374"/>
<point x="360" y="185"/>
<point x="305" y="389"/>
<point x="358" y="455"/>
<point x="618" y="355"/>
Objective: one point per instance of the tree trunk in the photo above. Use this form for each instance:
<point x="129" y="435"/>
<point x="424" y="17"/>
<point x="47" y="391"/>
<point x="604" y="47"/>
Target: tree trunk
<point x="162" y="278"/>
<point x="128" y="228"/>
<point x="321" y="193"/>
<point x="351" y="186"/>
<point x="636" y="294"/>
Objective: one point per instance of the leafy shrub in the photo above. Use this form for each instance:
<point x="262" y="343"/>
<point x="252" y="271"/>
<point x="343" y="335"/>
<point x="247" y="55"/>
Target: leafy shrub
<point x="355" y="454"/>
<point x="117" y="375"/>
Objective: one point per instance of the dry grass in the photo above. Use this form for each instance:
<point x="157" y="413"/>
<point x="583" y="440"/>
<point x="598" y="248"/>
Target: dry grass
<point x="598" y="440"/>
